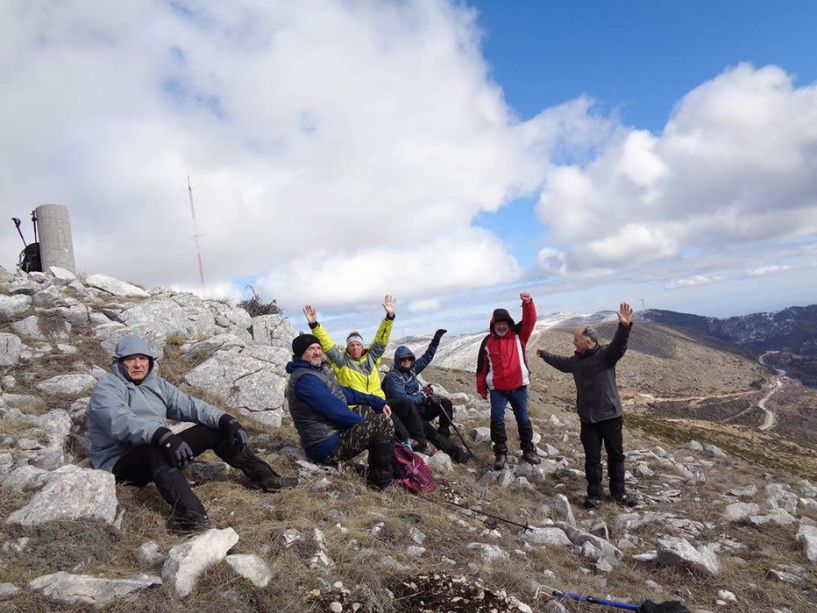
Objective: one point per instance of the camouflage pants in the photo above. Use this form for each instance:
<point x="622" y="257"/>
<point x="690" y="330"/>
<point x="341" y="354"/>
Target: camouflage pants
<point x="374" y="427"/>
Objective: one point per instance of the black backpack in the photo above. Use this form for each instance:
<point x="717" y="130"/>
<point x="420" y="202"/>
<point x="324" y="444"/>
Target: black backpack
<point x="29" y="260"/>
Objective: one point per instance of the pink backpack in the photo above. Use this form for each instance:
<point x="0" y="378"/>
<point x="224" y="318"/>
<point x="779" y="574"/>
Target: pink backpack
<point x="412" y="473"/>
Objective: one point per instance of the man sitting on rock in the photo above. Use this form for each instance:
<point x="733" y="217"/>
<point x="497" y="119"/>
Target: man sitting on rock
<point x="335" y="422"/>
<point x="129" y="435"/>
<point x="594" y="372"/>
<point x="357" y="367"/>
<point x="401" y="383"/>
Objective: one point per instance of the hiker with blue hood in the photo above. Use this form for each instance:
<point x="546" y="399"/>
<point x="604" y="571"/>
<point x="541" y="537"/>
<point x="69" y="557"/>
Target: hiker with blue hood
<point x="401" y="383"/>
<point x="127" y="425"/>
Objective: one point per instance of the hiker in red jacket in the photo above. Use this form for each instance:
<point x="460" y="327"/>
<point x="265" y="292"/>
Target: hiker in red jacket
<point x="502" y="372"/>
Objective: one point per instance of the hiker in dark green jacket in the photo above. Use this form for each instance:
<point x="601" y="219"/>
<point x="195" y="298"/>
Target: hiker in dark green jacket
<point x="593" y="367"/>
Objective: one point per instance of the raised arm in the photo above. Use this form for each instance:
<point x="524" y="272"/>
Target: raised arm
<point x="425" y="359"/>
<point x="381" y="337"/>
<point x="528" y="317"/>
<point x="617" y="347"/>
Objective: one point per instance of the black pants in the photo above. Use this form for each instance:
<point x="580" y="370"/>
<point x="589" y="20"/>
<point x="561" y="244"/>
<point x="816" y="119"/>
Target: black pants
<point x="592" y="436"/>
<point x="407" y="421"/>
<point x="145" y="463"/>
<point x="443" y="409"/>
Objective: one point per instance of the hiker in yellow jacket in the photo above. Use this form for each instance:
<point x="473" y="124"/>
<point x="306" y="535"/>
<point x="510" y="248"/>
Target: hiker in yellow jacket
<point x="356" y="366"/>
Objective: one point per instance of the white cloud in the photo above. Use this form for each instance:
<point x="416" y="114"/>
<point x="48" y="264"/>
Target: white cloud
<point x="471" y="258"/>
<point x="769" y="270"/>
<point x="693" y="281"/>
<point x="735" y="165"/>
<point x="356" y="129"/>
<point x="551" y="261"/>
<point x="424" y="306"/>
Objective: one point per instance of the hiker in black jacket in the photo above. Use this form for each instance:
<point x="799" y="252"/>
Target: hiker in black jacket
<point x="598" y="403"/>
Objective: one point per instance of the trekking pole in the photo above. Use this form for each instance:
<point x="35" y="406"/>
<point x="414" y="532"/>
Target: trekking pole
<point x="593" y="600"/>
<point x="453" y="425"/>
<point x="17" y="222"/>
<point x="524" y="526"/>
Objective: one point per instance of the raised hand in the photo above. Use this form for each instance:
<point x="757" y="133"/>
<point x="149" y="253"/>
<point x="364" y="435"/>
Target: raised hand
<point x="539" y="351"/>
<point x="625" y="314"/>
<point x="310" y="313"/>
<point x="390" y="304"/>
<point x="525" y="296"/>
<point x="437" y="336"/>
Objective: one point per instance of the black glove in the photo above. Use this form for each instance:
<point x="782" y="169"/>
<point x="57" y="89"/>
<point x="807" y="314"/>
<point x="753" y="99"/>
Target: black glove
<point x="176" y="449"/>
<point x="437" y="336"/>
<point x="235" y="434"/>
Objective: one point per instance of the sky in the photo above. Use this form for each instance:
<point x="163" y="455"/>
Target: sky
<point x="450" y="153"/>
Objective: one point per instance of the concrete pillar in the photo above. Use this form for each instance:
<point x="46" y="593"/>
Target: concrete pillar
<point x="56" y="245"/>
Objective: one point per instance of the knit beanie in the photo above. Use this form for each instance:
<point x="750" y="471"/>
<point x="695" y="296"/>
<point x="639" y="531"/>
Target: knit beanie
<point x="301" y="343"/>
<point x="354" y="337"/>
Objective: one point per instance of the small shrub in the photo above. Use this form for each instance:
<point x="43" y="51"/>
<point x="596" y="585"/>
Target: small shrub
<point x="256" y="307"/>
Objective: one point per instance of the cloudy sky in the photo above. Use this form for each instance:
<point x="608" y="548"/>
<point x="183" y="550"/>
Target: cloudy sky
<point x="450" y="153"/>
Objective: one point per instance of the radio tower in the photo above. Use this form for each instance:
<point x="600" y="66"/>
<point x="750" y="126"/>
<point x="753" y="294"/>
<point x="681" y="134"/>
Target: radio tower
<point x="196" y="234"/>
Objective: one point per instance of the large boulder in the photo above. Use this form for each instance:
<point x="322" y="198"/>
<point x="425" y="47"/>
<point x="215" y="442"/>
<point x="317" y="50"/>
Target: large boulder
<point x="166" y="317"/>
<point x="273" y="330"/>
<point x="71" y="493"/>
<point x="185" y="562"/>
<point x="115" y="286"/>
<point x="97" y="592"/>
<point x="251" y="378"/>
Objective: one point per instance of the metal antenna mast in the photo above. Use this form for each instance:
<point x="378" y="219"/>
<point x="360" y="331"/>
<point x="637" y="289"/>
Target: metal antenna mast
<point x="196" y="234"/>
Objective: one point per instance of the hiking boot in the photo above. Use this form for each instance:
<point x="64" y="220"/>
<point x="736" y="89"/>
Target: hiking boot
<point x="274" y="483"/>
<point x="459" y="455"/>
<point x="592" y="503"/>
<point x="625" y="500"/>
<point x="189" y="522"/>
<point x="531" y="457"/>
<point x="499" y="462"/>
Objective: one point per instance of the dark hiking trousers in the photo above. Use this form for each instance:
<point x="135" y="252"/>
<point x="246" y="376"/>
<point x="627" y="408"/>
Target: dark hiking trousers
<point x="443" y="409"/>
<point x="592" y="435"/>
<point x="407" y="421"/>
<point x="145" y="463"/>
<point x="518" y="399"/>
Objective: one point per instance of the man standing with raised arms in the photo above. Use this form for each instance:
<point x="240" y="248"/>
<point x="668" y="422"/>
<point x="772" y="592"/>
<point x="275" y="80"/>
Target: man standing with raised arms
<point x="594" y="371"/>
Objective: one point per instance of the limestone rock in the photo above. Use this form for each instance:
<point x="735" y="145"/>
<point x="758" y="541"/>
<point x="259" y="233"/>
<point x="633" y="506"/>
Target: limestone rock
<point x="61" y="274"/>
<point x="676" y="551"/>
<point x="489" y="553"/>
<point x="185" y="562"/>
<point x="13" y="306"/>
<point x="116" y="287"/>
<point x="440" y="463"/>
<point x="167" y="317"/>
<point x="580" y="537"/>
<point x="77" y="590"/>
<point x="547" y="536"/>
<point x="71" y="493"/>
<point x="273" y="330"/>
<point x="807" y="537"/>
<point x="251" y="567"/>
<point x="148" y="552"/>
<point x="67" y="385"/>
<point x="561" y="510"/>
<point x="31" y="327"/>
<point x="740" y="511"/>
<point x="209" y="346"/>
<point x="482" y="435"/>
<point x="8" y="590"/>
<point x="252" y="379"/>
<point x="10" y="348"/>
<point x="25" y="477"/>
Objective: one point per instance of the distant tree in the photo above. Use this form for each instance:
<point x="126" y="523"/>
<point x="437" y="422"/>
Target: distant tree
<point x="255" y="306"/>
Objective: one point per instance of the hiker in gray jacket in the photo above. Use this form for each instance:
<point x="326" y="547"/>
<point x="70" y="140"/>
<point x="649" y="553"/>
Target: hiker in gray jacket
<point x="594" y="371"/>
<point x="126" y="421"/>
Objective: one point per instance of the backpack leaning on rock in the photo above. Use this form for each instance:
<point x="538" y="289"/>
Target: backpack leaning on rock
<point x="411" y="472"/>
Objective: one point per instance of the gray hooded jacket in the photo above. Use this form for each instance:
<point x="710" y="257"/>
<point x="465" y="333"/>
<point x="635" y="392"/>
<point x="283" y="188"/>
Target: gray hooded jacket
<point x="122" y="414"/>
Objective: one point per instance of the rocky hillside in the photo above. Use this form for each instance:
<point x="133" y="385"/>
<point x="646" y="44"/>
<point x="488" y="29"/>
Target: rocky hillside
<point x="727" y="515"/>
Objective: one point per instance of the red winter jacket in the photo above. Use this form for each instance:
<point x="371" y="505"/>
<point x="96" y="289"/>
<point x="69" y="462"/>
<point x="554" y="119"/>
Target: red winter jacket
<point x="501" y="364"/>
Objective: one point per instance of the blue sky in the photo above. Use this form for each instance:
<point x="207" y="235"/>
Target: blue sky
<point x="451" y="153"/>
